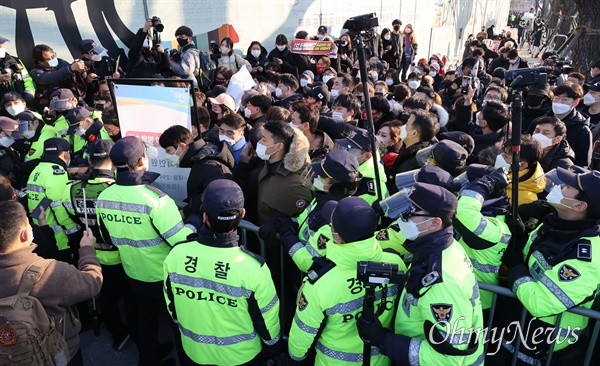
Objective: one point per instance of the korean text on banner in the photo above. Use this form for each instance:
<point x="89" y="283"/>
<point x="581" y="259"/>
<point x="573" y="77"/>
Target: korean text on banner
<point x="308" y="47"/>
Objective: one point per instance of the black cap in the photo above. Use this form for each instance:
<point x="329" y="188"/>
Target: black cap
<point x="56" y="145"/>
<point x="216" y="91"/>
<point x="356" y="138"/>
<point x="62" y="93"/>
<point x="450" y="156"/>
<point x="127" y="151"/>
<point x="461" y="138"/>
<point x="587" y="183"/>
<point x="322" y="29"/>
<point x="11" y="97"/>
<point x="221" y="196"/>
<point x="339" y="165"/>
<point x="437" y="176"/>
<point x="594" y="87"/>
<point x="437" y="201"/>
<point x="351" y="217"/>
<point x="99" y="149"/>
<point x="319" y="93"/>
<point x="26" y="116"/>
<point x="475" y="171"/>
<point x="75" y="116"/>
<point x="88" y="45"/>
<point x="10" y="127"/>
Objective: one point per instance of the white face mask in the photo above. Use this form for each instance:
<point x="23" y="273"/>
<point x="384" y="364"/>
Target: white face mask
<point x="173" y="158"/>
<point x="335" y="93"/>
<point x="278" y="92"/>
<point x="326" y="78"/>
<point x="589" y="99"/>
<point x="556" y="196"/>
<point x="544" y="140"/>
<point x="2" y="52"/>
<point x="281" y="48"/>
<point x="53" y="62"/>
<point x="6" y="141"/>
<point x="147" y="43"/>
<point x="96" y="58"/>
<point x="477" y="118"/>
<point x="261" y="151"/>
<point x="151" y="152"/>
<point x="321" y="37"/>
<point x="292" y="125"/>
<point x="318" y="185"/>
<point x="80" y="131"/>
<point x="303" y="82"/>
<point x="513" y="61"/>
<point x="403" y="132"/>
<point x="15" y="109"/>
<point x="410" y="230"/>
<point x="228" y="140"/>
<point x="224" y="50"/>
<point x="413" y="84"/>
<point x="387" y="37"/>
<point x="501" y="163"/>
<point x="247" y="112"/>
<point x="337" y="116"/>
<point x="344" y="43"/>
<point x="28" y="134"/>
<point x="255" y="53"/>
<point x="432" y="74"/>
<point x="389" y="82"/>
<point x="560" y="108"/>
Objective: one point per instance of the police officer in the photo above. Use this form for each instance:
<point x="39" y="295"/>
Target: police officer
<point x="559" y="268"/>
<point x="83" y="128"/>
<point x="49" y="180"/>
<point x="335" y="177"/>
<point x="220" y="295"/>
<point x="358" y="143"/>
<point x="76" y="203"/>
<point x="61" y="102"/>
<point x="482" y="224"/>
<point x="330" y="299"/>
<point x="14" y="75"/>
<point x="35" y="132"/>
<point x="439" y="307"/>
<point x="10" y="164"/>
<point x="144" y="223"/>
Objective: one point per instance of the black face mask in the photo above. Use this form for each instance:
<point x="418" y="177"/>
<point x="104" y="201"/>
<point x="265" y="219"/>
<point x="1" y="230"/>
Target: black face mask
<point x="396" y="28"/>
<point x="534" y="101"/>
<point x="182" y="42"/>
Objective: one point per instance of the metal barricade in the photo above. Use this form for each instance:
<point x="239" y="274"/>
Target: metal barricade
<point x="246" y="227"/>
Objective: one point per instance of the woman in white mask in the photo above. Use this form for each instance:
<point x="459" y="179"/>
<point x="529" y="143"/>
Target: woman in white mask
<point x="231" y="59"/>
<point x="282" y="56"/>
<point x="257" y="57"/>
<point x="390" y="48"/>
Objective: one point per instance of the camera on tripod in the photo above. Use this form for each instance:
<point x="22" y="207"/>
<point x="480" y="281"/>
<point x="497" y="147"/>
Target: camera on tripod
<point x="157" y="24"/>
<point x="361" y="23"/>
<point x="376" y="273"/>
<point x="527" y="77"/>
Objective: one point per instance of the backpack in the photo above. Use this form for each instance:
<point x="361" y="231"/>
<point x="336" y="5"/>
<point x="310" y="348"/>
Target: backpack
<point x="27" y="335"/>
<point x="206" y="71"/>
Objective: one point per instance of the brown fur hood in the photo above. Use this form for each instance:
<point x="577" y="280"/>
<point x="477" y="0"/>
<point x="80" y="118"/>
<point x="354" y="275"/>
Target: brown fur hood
<point x="297" y="158"/>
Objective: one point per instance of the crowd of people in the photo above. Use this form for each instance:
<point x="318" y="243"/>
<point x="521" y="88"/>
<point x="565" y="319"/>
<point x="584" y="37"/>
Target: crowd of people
<point x="295" y="157"/>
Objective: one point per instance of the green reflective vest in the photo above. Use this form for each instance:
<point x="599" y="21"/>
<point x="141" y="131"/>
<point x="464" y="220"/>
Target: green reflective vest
<point x="143" y="222"/>
<point x="367" y="169"/>
<point x="50" y="180"/>
<point x="223" y="301"/>
<point x="329" y="307"/>
<point x="485" y="251"/>
<point x="73" y="202"/>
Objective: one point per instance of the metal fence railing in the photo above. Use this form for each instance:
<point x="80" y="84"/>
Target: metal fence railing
<point x="246" y="227"/>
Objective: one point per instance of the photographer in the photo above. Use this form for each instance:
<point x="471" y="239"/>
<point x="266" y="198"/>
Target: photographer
<point x="14" y="76"/>
<point x="99" y="67"/>
<point x="51" y="73"/>
<point x="147" y="58"/>
<point x="185" y="61"/>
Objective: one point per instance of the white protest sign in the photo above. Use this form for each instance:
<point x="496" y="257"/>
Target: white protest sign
<point x="145" y="112"/>
<point x="238" y="84"/>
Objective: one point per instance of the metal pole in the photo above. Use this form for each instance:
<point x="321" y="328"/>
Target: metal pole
<point x="430" y="39"/>
<point x="517" y="106"/>
<point x="368" y="313"/>
<point x="360" y="46"/>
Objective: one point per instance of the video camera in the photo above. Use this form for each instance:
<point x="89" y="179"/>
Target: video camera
<point x="557" y="66"/>
<point x="362" y="24"/>
<point x="373" y="274"/>
<point x="527" y="77"/>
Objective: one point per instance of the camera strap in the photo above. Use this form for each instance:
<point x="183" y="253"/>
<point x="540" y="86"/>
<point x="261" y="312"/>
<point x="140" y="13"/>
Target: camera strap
<point x="319" y="268"/>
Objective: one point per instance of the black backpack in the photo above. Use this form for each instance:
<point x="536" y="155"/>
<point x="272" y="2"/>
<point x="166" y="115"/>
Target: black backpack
<point x="206" y="72"/>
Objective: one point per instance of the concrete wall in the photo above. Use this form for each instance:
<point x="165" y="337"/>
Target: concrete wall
<point x="63" y="23"/>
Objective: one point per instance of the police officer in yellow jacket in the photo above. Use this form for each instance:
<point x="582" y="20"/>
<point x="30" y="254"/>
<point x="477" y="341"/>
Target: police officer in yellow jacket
<point x="439" y="311"/>
<point x="221" y="296"/>
<point x="331" y="297"/>
<point x="49" y="180"/>
<point x="559" y="268"/>
<point x="83" y="129"/>
<point x="334" y="177"/>
<point x="144" y="223"/>
<point x="35" y="131"/>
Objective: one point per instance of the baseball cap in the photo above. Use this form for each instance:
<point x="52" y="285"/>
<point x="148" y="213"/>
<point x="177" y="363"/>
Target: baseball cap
<point x="436" y="66"/>
<point x="60" y="99"/>
<point x="309" y="73"/>
<point x="11" y="97"/>
<point x="461" y="138"/>
<point x="356" y="138"/>
<point x="319" y="93"/>
<point x="594" y="87"/>
<point x="339" y="165"/>
<point x="99" y="149"/>
<point x="10" y="127"/>
<point x="88" y="45"/>
<point x="221" y="196"/>
<point x="75" y="116"/>
<point x="56" y="145"/>
<point x="127" y="151"/>
<point x="224" y="99"/>
<point x="587" y="183"/>
<point x="3" y="40"/>
<point x="322" y="29"/>
<point x="352" y="218"/>
<point x="437" y="201"/>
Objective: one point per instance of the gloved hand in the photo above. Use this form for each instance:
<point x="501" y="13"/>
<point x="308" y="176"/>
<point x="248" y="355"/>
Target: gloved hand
<point x="516" y="272"/>
<point x="268" y="231"/>
<point x="498" y="178"/>
<point x="371" y="332"/>
<point x="288" y="234"/>
<point x="272" y="354"/>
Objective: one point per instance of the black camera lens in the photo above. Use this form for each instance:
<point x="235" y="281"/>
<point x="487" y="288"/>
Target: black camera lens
<point x="157" y="24"/>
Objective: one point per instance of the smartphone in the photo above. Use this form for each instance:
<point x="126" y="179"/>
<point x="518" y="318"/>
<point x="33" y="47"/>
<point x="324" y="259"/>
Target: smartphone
<point x="466" y="81"/>
<point x="44" y="203"/>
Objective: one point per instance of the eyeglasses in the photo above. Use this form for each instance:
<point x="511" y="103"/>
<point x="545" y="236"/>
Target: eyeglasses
<point x="562" y="99"/>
